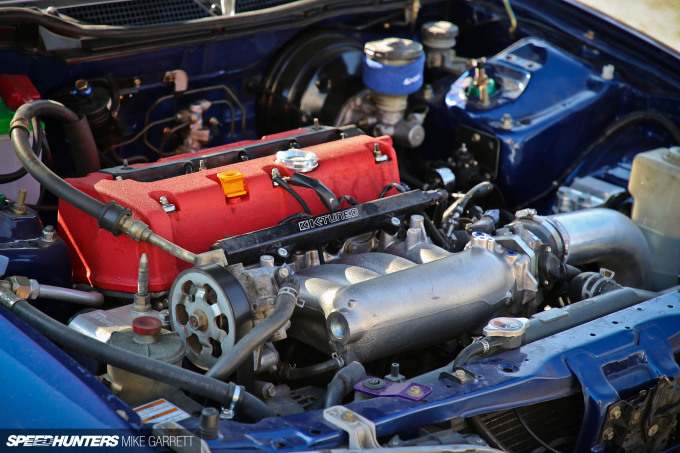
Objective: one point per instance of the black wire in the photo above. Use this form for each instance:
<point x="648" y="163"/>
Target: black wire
<point x="296" y="216"/>
<point x="390" y="186"/>
<point x="632" y="118"/>
<point x="279" y="180"/>
<point x="533" y="434"/>
<point x="350" y="201"/>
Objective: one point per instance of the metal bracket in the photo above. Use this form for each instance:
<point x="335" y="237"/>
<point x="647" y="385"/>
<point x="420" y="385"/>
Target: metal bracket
<point x="652" y="353"/>
<point x="361" y="431"/>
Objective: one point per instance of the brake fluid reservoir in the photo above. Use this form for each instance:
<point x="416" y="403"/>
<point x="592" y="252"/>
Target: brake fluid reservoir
<point x="655" y="186"/>
<point x="148" y="339"/>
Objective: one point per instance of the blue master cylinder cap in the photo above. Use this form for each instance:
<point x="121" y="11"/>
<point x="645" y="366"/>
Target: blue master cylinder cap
<point x="393" y="66"/>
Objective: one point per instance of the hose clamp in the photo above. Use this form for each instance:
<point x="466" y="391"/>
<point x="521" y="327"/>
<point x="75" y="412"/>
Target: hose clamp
<point x="8" y="298"/>
<point x="291" y="291"/>
<point x="228" y="413"/>
<point x="485" y="344"/>
<point x="21" y="123"/>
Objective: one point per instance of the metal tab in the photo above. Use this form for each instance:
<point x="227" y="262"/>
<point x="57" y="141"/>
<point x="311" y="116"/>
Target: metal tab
<point x="361" y="431"/>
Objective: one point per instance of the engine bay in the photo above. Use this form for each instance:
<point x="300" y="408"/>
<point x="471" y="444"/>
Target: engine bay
<point x="426" y="226"/>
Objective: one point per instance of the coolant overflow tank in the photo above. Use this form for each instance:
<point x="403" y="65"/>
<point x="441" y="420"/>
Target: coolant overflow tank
<point x="148" y="339"/>
<point x="655" y="186"/>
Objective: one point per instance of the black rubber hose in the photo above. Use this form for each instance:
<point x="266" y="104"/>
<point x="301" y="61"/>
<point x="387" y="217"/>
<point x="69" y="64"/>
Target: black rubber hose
<point x="38" y="139"/>
<point x="632" y="118"/>
<point x="285" y="304"/>
<point x="590" y="284"/>
<point x="138" y="364"/>
<point x="313" y="370"/>
<point x="458" y="206"/>
<point x="109" y="216"/>
<point x="83" y="147"/>
<point x="474" y="349"/>
<point x="433" y="232"/>
<point x="343" y="382"/>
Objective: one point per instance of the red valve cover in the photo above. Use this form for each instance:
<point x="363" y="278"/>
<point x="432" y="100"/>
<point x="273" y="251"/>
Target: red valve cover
<point x="203" y="214"/>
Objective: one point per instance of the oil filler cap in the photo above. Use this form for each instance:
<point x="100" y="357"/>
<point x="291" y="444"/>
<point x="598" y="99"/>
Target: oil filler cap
<point x="146" y="325"/>
<point x="233" y="183"/>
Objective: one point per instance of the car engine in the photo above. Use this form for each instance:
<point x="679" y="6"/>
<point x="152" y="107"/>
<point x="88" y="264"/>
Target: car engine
<point x="304" y="226"/>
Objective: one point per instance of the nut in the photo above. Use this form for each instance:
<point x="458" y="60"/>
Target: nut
<point x="49" y="234"/>
<point x="615" y="413"/>
<point x="414" y="391"/>
<point x="348" y="416"/>
<point x="608" y="434"/>
<point x="198" y="320"/>
<point x="24" y="288"/>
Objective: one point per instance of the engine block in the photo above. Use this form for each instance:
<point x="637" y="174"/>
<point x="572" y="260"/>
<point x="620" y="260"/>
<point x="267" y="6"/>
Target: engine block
<point x="182" y="198"/>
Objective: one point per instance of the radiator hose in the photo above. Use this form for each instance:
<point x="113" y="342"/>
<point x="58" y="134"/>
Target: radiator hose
<point x="190" y="381"/>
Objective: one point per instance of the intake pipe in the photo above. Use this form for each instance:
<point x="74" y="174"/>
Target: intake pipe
<point x="376" y="304"/>
<point x="611" y="240"/>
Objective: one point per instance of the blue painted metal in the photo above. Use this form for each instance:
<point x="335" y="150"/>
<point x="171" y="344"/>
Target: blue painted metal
<point x="43" y="388"/>
<point x="555" y="101"/>
<point x="612" y="357"/>
<point x="29" y="256"/>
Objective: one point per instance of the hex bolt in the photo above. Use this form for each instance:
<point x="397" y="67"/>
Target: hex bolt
<point x="460" y="374"/>
<point x="414" y="391"/>
<point x="19" y="207"/>
<point x="653" y="430"/>
<point x="608" y="434"/>
<point x="266" y="261"/>
<point x="395" y="221"/>
<point x="283" y="253"/>
<point x="507" y="122"/>
<point x="49" y="234"/>
<point x="210" y="418"/>
<point x="268" y="390"/>
<point x="636" y="416"/>
<point x="615" y="413"/>
<point x="284" y="272"/>
<point x="348" y="416"/>
<point x="316" y="124"/>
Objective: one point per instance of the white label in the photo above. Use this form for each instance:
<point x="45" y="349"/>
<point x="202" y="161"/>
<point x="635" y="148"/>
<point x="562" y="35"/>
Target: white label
<point x="160" y="411"/>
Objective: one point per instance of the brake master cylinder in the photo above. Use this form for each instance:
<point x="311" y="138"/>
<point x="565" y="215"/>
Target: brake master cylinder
<point x="392" y="70"/>
<point x="148" y="339"/>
